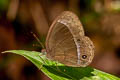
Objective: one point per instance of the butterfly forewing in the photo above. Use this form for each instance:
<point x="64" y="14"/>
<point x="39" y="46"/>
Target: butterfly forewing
<point x="63" y="46"/>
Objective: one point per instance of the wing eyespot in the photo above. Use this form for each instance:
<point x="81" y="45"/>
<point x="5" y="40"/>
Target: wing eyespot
<point x="84" y="56"/>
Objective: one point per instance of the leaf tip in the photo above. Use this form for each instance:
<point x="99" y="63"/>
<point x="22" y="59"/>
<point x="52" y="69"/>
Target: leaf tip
<point x="5" y="52"/>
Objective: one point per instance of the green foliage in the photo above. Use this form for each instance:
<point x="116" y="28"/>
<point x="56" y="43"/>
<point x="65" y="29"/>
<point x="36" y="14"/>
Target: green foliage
<point x="58" y="71"/>
<point x="4" y="4"/>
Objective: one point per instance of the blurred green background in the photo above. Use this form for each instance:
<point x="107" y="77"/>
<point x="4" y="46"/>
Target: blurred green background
<point x="18" y="18"/>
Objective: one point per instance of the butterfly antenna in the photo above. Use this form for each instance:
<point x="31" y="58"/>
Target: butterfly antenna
<point x="38" y="40"/>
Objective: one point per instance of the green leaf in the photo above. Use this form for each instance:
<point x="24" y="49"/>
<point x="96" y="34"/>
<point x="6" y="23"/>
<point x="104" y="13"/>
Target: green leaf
<point x="58" y="71"/>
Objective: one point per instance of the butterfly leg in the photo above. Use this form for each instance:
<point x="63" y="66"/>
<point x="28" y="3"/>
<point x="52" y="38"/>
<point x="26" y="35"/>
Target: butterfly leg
<point x="43" y="61"/>
<point x="57" y="66"/>
<point x="41" y="66"/>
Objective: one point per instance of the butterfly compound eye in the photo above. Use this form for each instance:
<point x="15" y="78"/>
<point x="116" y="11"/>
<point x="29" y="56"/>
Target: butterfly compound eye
<point x="84" y="56"/>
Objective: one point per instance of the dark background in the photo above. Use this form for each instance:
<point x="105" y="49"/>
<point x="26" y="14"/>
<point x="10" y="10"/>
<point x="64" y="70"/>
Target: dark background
<point x="18" y="18"/>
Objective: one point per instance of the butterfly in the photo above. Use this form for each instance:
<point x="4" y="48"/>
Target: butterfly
<point x="66" y="41"/>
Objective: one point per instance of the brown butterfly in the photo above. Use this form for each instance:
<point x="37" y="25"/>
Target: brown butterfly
<point x="67" y="43"/>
